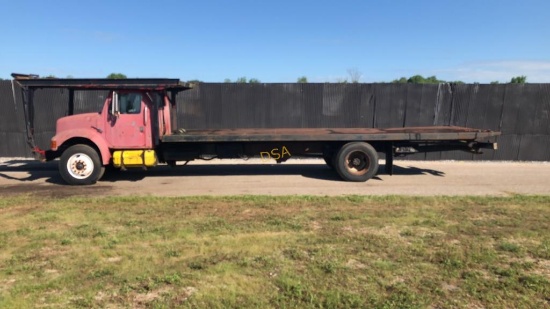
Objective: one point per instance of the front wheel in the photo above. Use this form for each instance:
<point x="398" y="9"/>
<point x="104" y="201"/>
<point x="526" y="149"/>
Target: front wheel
<point x="356" y="162"/>
<point x="80" y="165"/>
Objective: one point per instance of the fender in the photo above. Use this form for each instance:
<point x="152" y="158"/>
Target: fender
<point x="90" y="134"/>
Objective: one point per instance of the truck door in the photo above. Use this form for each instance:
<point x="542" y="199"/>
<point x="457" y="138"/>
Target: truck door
<point x="129" y="126"/>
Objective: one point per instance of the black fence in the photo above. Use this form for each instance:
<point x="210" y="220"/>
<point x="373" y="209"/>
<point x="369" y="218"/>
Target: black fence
<point x="520" y="111"/>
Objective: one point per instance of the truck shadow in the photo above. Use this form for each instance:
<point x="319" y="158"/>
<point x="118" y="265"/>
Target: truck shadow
<point x="29" y="170"/>
<point x="313" y="171"/>
<point x="411" y="170"/>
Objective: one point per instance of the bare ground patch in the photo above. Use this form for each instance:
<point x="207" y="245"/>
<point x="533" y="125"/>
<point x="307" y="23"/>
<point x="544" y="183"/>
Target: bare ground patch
<point x="54" y="191"/>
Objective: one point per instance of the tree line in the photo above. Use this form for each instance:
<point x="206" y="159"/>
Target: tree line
<point x="415" y="79"/>
<point x="419" y="79"/>
<point x="354" y="77"/>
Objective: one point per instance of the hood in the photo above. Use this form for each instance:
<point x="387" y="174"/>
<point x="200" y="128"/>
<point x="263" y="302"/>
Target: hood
<point x="80" y="121"/>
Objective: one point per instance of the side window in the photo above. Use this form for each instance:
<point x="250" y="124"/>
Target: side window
<point x="130" y="103"/>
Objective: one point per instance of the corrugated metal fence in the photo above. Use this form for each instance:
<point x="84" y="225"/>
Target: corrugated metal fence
<point x="520" y="111"/>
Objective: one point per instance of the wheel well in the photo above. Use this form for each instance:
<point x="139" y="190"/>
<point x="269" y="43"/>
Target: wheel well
<point x="78" y="141"/>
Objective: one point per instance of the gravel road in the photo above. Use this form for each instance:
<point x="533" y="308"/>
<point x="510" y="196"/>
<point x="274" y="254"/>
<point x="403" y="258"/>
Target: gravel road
<point x="311" y="177"/>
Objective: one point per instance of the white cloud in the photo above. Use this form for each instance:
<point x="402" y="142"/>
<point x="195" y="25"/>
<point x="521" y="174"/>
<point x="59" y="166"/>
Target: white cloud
<point x="503" y="71"/>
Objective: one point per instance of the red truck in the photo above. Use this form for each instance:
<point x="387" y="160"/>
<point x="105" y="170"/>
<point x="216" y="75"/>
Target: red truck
<point x="135" y="128"/>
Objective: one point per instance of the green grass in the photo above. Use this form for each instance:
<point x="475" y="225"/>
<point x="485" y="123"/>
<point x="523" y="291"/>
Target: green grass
<point x="275" y="252"/>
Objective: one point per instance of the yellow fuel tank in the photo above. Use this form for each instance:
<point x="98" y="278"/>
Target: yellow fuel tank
<point x="134" y="158"/>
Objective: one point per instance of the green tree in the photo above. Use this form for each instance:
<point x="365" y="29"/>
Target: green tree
<point x="416" y="79"/>
<point x="116" y="76"/>
<point x="302" y="80"/>
<point x="519" y="80"/>
<point x="194" y="81"/>
<point x="419" y="79"/>
<point x="432" y="80"/>
<point x="244" y="80"/>
<point x="241" y="80"/>
<point x="402" y="80"/>
<point x="495" y="82"/>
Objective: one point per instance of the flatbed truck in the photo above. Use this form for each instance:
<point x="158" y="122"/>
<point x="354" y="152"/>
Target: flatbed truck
<point x="136" y="128"/>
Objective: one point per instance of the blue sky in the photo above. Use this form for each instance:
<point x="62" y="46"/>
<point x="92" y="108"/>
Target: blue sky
<point x="278" y="41"/>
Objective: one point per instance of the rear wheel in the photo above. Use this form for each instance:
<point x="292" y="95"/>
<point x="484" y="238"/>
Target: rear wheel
<point x="356" y="162"/>
<point x="80" y="165"/>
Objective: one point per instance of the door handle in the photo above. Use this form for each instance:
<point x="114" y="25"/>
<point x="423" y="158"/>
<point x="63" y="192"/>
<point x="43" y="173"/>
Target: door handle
<point x="145" y="112"/>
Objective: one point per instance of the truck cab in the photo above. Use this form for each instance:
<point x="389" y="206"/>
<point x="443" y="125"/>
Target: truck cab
<point x="124" y="133"/>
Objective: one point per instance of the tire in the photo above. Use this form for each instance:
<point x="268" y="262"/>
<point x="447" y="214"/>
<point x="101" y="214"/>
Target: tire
<point x="356" y="162"/>
<point x="80" y="165"/>
<point x="102" y="172"/>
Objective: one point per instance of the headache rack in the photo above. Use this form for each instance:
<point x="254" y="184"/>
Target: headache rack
<point x="31" y="82"/>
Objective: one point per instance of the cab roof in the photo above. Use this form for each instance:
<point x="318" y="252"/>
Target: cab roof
<point x="154" y="84"/>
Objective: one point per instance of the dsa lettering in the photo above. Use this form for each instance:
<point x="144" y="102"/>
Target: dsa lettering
<point x="276" y="154"/>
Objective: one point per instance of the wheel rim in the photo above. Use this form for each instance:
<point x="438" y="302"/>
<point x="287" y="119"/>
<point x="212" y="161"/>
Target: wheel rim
<point x="357" y="163"/>
<point x="80" y="166"/>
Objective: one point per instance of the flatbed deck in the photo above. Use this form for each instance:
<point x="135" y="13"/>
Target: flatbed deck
<point x="437" y="133"/>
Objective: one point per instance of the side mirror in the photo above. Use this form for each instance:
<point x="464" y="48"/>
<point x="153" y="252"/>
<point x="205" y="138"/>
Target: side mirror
<point x="115" y="109"/>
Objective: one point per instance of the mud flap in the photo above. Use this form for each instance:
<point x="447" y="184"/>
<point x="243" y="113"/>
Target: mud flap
<point x="389" y="159"/>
